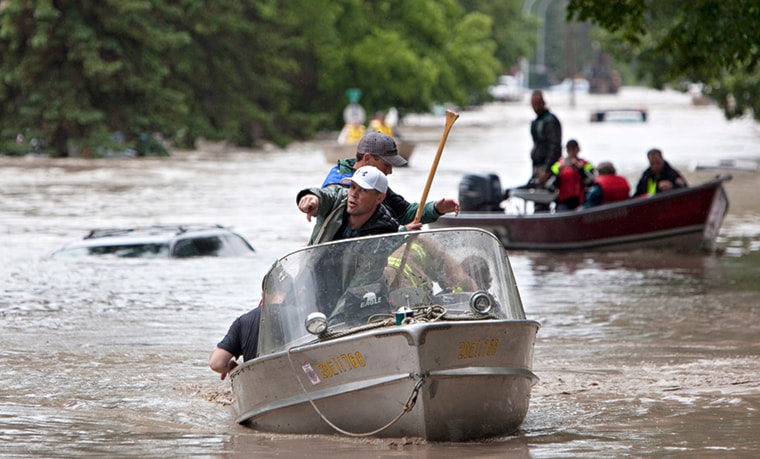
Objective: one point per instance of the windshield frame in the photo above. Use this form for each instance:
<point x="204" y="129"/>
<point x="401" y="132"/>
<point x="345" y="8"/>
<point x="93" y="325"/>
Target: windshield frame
<point x="356" y="281"/>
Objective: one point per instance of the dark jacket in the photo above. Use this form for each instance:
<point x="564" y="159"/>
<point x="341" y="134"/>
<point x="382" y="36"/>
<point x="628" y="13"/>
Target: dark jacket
<point x="649" y="182"/>
<point x="546" y="131"/>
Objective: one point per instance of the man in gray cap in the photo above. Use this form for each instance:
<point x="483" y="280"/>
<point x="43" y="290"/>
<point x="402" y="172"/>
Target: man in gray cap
<point x="380" y="150"/>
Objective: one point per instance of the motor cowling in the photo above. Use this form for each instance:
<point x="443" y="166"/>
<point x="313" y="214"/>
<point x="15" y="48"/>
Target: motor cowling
<point x="480" y="193"/>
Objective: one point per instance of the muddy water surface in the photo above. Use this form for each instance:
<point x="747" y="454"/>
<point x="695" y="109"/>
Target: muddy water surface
<point x="640" y="354"/>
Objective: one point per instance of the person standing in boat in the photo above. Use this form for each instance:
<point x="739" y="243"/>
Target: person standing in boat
<point x="380" y="150"/>
<point x="574" y="175"/>
<point x="608" y="187"/>
<point x="546" y="131"/>
<point x="350" y="212"/>
<point x="659" y="176"/>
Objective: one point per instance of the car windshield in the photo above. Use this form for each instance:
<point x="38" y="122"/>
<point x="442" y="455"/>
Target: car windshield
<point x="356" y="281"/>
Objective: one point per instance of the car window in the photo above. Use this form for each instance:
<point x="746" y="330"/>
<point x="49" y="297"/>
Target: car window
<point x="131" y="250"/>
<point x="198" y="247"/>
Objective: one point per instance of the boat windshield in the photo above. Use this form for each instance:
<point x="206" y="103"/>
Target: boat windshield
<point x="357" y="281"/>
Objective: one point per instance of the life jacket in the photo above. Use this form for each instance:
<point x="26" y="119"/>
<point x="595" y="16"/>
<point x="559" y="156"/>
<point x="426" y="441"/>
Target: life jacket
<point x="614" y="188"/>
<point x="354" y="134"/>
<point x="379" y="126"/>
<point x="411" y="267"/>
<point x="570" y="181"/>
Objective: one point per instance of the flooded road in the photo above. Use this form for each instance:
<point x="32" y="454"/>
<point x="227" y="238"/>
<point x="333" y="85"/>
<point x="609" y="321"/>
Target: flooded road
<point x="640" y="353"/>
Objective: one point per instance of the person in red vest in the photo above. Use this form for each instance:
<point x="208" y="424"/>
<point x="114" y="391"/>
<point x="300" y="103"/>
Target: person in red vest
<point x="573" y="174"/>
<point x="608" y="187"/>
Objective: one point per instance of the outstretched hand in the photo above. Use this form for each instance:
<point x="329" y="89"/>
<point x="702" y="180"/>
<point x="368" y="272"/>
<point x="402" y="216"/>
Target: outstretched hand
<point x="413" y="226"/>
<point x="447" y="205"/>
<point x="309" y="204"/>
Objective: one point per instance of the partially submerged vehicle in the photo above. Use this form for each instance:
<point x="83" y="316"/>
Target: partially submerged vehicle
<point x="160" y="241"/>
<point x="419" y="334"/>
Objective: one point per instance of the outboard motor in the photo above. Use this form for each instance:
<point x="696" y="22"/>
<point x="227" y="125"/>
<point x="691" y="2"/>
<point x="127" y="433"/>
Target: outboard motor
<point x="480" y="193"/>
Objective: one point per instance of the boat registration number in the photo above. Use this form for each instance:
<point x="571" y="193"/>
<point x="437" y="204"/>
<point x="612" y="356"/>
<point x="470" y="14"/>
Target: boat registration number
<point x="477" y="348"/>
<point x="341" y="364"/>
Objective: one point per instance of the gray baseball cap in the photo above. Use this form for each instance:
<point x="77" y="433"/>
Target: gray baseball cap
<point x="382" y="145"/>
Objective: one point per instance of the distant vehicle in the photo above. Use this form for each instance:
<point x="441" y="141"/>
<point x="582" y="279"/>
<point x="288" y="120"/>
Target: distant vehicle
<point x="581" y="85"/>
<point x="619" y="115"/>
<point x="166" y="241"/>
<point x="508" y="89"/>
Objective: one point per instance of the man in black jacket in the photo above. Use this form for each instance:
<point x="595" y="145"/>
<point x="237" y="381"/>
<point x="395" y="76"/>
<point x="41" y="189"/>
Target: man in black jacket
<point x="546" y="131"/>
<point x="659" y="176"/>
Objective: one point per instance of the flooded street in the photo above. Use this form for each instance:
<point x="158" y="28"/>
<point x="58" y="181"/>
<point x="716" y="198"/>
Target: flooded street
<point x="640" y="354"/>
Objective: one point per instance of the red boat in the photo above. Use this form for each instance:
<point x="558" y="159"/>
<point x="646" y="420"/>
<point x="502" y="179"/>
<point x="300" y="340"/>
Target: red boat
<point x="687" y="219"/>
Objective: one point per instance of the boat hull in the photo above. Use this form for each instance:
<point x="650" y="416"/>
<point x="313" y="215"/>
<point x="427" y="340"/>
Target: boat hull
<point x="687" y="219"/>
<point x="473" y="377"/>
<point x="335" y="152"/>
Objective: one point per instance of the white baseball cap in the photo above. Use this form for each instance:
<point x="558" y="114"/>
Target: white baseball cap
<point x="369" y="178"/>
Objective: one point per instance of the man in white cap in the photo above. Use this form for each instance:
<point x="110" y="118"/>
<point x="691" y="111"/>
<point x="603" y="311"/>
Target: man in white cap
<point x="380" y="150"/>
<point x="349" y="212"/>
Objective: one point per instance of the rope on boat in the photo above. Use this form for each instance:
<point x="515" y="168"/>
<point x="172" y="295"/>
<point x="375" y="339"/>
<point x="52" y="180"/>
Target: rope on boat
<point x="408" y="406"/>
<point x="430" y="313"/>
<point x="330" y="334"/>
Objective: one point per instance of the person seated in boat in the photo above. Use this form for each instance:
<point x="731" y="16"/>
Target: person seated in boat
<point x="608" y="187"/>
<point x="416" y="266"/>
<point x="659" y="176"/>
<point x="380" y="150"/>
<point x="351" y="133"/>
<point x="378" y="124"/>
<point x="574" y="175"/>
<point x="477" y="268"/>
<point x="350" y="212"/>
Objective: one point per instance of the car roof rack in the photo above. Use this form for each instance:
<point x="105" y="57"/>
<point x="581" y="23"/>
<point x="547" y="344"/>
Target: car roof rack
<point x="178" y="229"/>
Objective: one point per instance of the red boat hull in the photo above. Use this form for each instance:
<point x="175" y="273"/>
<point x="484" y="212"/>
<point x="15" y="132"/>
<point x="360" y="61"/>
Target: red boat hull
<point x="687" y="219"/>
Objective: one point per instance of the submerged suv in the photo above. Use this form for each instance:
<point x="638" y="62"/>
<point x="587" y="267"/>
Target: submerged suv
<point x="176" y="241"/>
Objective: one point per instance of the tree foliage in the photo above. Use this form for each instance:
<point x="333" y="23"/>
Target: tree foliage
<point x="715" y="42"/>
<point x="74" y="73"/>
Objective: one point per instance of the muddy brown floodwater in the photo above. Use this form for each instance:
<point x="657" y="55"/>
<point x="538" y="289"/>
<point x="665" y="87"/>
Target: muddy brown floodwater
<point x="640" y="354"/>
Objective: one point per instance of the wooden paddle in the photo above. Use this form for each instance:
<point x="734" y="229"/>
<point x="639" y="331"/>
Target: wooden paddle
<point x="450" y="118"/>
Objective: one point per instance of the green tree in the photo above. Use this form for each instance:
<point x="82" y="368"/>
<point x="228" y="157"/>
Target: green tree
<point x="715" y="42"/>
<point x="76" y="72"/>
<point x="513" y="32"/>
<point x="407" y="54"/>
